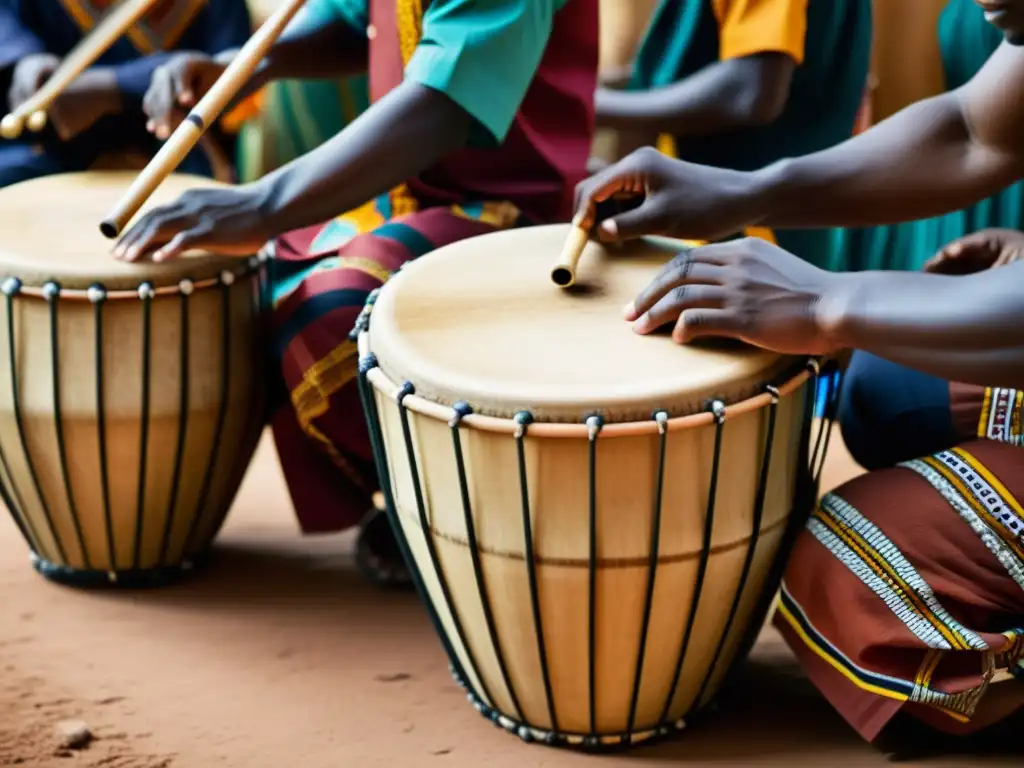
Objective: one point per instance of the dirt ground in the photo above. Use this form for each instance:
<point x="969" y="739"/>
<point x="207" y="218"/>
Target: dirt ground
<point x="279" y="655"/>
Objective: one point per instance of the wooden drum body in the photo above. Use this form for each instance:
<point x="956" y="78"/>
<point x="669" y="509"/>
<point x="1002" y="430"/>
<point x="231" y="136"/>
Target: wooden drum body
<point x="596" y="519"/>
<point x="132" y="397"/>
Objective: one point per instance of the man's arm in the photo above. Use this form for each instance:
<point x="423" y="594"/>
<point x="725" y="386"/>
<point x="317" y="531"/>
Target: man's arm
<point x="936" y="156"/>
<point x="760" y="45"/>
<point x="964" y="328"/>
<point x="724" y="96"/>
<point x="470" y="49"/>
<point x="222" y="25"/>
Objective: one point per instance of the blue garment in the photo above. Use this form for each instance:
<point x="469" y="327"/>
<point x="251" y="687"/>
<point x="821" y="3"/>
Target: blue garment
<point x="57" y="26"/>
<point x="889" y="413"/>
<point x="830" y="40"/>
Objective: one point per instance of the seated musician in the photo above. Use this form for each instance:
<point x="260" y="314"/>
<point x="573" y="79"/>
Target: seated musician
<point x="101" y="111"/>
<point x="904" y="598"/>
<point x="482" y="119"/>
<point x="743" y="83"/>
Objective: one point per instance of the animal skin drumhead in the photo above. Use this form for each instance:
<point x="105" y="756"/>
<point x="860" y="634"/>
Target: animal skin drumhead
<point x="481" y="321"/>
<point x="49" y="230"/>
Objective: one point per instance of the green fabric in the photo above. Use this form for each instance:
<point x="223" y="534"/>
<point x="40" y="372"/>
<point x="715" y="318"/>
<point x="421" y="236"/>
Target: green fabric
<point x="300" y="115"/>
<point x="825" y="96"/>
<point x="966" y="41"/>
<point x="297" y="117"/>
<point x="483" y="54"/>
<point x="321" y="12"/>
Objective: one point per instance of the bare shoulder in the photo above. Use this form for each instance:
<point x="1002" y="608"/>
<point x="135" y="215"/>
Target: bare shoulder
<point x="993" y="102"/>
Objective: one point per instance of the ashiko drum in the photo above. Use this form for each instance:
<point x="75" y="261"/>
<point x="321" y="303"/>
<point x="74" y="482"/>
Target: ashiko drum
<point x="131" y="395"/>
<point x="595" y="519"/>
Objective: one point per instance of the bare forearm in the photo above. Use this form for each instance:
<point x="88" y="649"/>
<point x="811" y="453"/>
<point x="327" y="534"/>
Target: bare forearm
<point x="724" y="96"/>
<point x="402" y="135"/>
<point x="919" y="163"/>
<point x="968" y="328"/>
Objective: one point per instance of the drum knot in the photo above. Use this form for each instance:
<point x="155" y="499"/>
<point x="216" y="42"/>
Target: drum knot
<point x="11" y="286"/>
<point x="406" y="389"/>
<point x="367" y="363"/>
<point x="462" y="409"/>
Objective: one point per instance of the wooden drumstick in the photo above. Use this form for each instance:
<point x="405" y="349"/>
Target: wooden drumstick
<point x="563" y="274"/>
<point x="32" y="112"/>
<point x="203" y="114"/>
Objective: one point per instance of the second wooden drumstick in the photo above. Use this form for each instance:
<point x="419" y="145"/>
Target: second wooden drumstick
<point x="32" y="112"/>
<point x="204" y="114"/>
<point x="563" y="274"/>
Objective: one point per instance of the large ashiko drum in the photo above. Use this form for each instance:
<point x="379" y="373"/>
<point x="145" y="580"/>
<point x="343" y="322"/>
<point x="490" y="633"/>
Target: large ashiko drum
<point x="596" y="519"/>
<point x="131" y="396"/>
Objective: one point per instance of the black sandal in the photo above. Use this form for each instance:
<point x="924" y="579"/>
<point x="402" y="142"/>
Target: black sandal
<point x="378" y="556"/>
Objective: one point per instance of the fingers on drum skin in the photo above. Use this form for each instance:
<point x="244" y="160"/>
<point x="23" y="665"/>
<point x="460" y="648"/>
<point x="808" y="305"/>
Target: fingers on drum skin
<point x="184" y="241"/>
<point x="698" y="323"/>
<point x="154" y="230"/>
<point x="699" y="265"/>
<point x="677" y="301"/>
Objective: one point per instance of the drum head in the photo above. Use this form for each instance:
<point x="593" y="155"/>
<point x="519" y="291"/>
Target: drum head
<point x="481" y="321"/>
<point x="51" y="231"/>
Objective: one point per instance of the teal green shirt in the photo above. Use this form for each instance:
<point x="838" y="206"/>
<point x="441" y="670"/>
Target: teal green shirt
<point x="482" y="54"/>
<point x="830" y="40"/>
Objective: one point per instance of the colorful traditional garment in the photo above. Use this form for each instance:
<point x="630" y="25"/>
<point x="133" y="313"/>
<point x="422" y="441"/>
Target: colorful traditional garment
<point x="966" y="41"/>
<point x="56" y="26"/>
<point x="905" y="593"/>
<point x="526" y="71"/>
<point x="830" y="40"/>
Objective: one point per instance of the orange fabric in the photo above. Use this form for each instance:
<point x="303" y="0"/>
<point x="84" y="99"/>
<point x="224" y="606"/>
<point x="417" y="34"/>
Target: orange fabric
<point x="252" y="106"/>
<point x="747" y="27"/>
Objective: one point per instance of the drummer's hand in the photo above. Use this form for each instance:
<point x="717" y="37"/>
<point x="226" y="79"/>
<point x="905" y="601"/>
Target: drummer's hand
<point x="231" y="221"/>
<point x="29" y="75"/>
<point x="93" y="95"/>
<point x="679" y="199"/>
<point x="743" y="289"/>
<point x="175" y="88"/>
<point x="978" y="251"/>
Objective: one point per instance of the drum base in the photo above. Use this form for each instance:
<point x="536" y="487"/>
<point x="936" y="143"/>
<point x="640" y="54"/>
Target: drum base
<point x="141" y="578"/>
<point x="586" y="743"/>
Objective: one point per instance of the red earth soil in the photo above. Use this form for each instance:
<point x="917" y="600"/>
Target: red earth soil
<point x="279" y="655"/>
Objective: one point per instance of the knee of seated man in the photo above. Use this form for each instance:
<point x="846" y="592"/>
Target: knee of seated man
<point x="889" y="413"/>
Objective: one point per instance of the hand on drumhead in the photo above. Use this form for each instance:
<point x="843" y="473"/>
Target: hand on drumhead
<point x="231" y="221"/>
<point x="978" y="251"/>
<point x="744" y="289"/>
<point x="175" y="88"/>
<point x="29" y="75"/>
<point x="678" y="199"/>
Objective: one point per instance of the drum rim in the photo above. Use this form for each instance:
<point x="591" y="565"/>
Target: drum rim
<point x="515" y="425"/>
<point x="678" y="390"/>
<point x="38" y="277"/>
<point x="145" y="289"/>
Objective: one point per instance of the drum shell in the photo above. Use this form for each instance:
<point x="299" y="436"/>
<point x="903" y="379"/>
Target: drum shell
<point x="506" y="672"/>
<point x="141" y="476"/>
